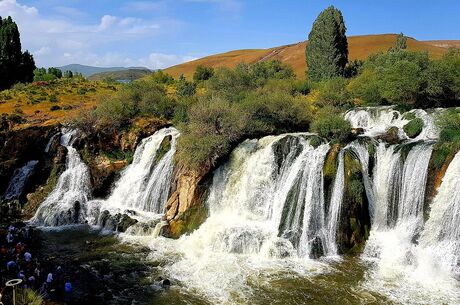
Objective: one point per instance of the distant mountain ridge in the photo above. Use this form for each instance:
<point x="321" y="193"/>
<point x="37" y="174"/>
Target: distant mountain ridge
<point x="91" y="70"/>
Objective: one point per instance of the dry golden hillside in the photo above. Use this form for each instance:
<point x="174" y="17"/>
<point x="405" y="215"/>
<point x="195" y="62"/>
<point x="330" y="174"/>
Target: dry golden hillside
<point x="360" y="48"/>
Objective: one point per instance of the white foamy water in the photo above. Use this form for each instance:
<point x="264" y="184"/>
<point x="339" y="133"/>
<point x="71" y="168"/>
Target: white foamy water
<point x="144" y="186"/>
<point x="377" y="120"/>
<point x="64" y="204"/>
<point x="267" y="216"/>
<point x="19" y="180"/>
<point x="402" y="269"/>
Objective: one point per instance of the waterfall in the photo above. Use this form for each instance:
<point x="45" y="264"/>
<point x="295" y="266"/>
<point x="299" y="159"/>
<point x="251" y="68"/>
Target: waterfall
<point x="144" y="186"/>
<point x="377" y="120"/>
<point x="336" y="205"/>
<point x="441" y="234"/>
<point x="19" y="180"/>
<point x="65" y="203"/>
<point x="386" y="182"/>
<point x="51" y="142"/>
<point x="269" y="196"/>
<point x="362" y="153"/>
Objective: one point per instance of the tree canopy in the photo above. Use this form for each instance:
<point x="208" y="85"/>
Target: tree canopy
<point x="15" y="65"/>
<point x="327" y="48"/>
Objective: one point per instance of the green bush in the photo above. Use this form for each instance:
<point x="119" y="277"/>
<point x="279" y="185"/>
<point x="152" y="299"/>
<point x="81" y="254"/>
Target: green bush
<point x="214" y="125"/>
<point x="331" y="125"/>
<point x="414" y="127"/>
<point x="333" y="92"/>
<point x="203" y="73"/>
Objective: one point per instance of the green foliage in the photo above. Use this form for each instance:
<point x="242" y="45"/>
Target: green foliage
<point x="213" y="126"/>
<point x="302" y="87"/>
<point x="53" y="99"/>
<point x="161" y="77"/>
<point x="68" y="74"/>
<point x="449" y="124"/>
<point x="414" y="127"/>
<point x="333" y="92"/>
<point x="234" y="84"/>
<point x="327" y="48"/>
<point x="139" y="98"/>
<point x="15" y="66"/>
<point x="55" y="71"/>
<point x="401" y="43"/>
<point x="40" y="74"/>
<point x="184" y="87"/>
<point x="29" y="297"/>
<point x="449" y="141"/>
<point x="330" y="125"/>
<point x="203" y="73"/>
<point x="353" y="68"/>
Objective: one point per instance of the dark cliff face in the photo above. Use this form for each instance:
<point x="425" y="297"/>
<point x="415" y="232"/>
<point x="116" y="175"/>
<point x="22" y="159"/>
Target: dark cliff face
<point x="17" y="148"/>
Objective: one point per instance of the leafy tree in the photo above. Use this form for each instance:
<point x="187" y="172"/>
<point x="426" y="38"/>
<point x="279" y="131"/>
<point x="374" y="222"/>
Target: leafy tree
<point x="68" y="74"/>
<point x="327" y="48"/>
<point x="55" y="71"/>
<point x="401" y="43"/>
<point x="15" y="66"/>
<point x="203" y="73"/>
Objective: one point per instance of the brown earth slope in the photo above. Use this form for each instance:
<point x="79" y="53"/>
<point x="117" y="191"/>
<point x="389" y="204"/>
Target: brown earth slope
<point x="360" y="48"/>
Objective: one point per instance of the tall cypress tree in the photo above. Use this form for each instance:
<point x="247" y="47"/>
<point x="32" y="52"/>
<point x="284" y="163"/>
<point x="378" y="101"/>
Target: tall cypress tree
<point x="327" y="48"/>
<point x="15" y="66"/>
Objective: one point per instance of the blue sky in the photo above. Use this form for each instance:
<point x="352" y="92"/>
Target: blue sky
<point x="161" y="33"/>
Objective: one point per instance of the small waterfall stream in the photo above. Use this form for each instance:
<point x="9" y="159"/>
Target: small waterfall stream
<point x="144" y="186"/>
<point x="73" y="189"/>
<point x="19" y="180"/>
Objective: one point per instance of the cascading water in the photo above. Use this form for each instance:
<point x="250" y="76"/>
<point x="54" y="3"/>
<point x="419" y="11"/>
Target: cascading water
<point x="336" y="205"/>
<point x="144" y="186"/>
<point x="65" y="203"/>
<point x="377" y="120"/>
<point x="267" y="214"/>
<point x="19" y="180"/>
<point x="441" y="235"/>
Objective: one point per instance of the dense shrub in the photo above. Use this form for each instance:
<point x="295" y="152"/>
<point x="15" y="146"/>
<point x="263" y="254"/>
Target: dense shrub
<point x="203" y="73"/>
<point x="333" y="92"/>
<point x="214" y="125"/>
<point x="449" y="141"/>
<point x="331" y="125"/>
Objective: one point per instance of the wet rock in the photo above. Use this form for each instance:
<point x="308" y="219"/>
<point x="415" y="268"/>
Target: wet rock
<point x="317" y="249"/>
<point x="357" y="131"/>
<point x="125" y="222"/>
<point x="391" y="136"/>
<point x="284" y="147"/>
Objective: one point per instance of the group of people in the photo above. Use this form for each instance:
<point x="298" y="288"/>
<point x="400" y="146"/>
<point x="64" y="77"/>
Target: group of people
<point x="18" y="262"/>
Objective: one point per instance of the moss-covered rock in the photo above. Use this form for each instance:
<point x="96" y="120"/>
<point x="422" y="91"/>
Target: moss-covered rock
<point x="414" y="127"/>
<point x="354" y="223"/>
<point x="186" y="222"/>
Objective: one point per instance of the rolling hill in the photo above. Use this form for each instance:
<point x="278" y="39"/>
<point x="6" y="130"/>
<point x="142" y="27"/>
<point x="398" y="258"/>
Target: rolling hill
<point x="91" y="70"/>
<point x="360" y="47"/>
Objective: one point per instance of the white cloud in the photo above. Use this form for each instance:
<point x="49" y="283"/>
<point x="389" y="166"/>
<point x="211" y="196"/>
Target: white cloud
<point x="56" y="41"/>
